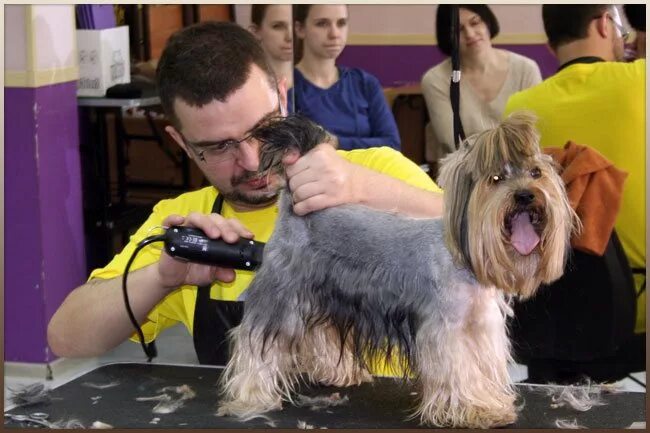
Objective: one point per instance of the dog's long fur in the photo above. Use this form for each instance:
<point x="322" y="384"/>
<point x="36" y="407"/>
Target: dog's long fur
<point x="347" y="284"/>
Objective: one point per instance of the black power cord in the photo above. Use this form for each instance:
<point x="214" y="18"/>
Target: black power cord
<point x="149" y="349"/>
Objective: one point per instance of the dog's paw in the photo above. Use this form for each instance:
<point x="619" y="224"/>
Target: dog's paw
<point x="467" y="417"/>
<point x="488" y="418"/>
<point x="227" y="409"/>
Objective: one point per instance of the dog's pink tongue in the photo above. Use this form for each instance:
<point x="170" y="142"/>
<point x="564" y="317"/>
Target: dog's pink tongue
<point x="523" y="238"/>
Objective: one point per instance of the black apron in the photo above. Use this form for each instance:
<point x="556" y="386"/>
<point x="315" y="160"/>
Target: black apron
<point x="213" y="319"/>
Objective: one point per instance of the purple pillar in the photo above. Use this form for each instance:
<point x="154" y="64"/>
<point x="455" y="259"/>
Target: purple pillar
<point x="44" y="244"/>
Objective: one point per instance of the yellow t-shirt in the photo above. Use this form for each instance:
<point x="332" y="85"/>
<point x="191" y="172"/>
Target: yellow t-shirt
<point x="601" y="105"/>
<point x="179" y="305"/>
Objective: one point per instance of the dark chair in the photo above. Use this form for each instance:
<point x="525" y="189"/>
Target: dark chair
<point x="411" y="116"/>
<point x="583" y="324"/>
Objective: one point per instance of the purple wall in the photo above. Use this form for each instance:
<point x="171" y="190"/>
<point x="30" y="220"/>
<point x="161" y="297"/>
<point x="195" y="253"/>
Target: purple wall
<point x="44" y="249"/>
<point x="396" y="65"/>
<point x="23" y="293"/>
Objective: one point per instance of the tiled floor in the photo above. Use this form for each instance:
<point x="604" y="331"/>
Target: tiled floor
<point x="174" y="347"/>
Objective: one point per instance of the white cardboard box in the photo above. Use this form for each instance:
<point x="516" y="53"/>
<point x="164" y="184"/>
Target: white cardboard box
<point x="103" y="60"/>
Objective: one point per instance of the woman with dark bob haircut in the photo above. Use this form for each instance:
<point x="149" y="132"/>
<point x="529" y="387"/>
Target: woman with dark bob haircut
<point x="488" y="77"/>
<point x="443" y="24"/>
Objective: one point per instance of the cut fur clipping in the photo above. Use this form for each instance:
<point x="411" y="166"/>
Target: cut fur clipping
<point x="100" y="385"/>
<point x="35" y="393"/>
<point x="38" y="393"/>
<point x="171" y="400"/>
<point x="302" y="425"/>
<point x="578" y="397"/>
<point x="568" y="424"/>
<point x="68" y="424"/>
<point x="321" y="402"/>
<point x="75" y="424"/>
<point x="100" y="425"/>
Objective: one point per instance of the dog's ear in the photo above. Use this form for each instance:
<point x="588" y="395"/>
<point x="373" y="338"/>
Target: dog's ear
<point x="456" y="180"/>
<point x="280" y="134"/>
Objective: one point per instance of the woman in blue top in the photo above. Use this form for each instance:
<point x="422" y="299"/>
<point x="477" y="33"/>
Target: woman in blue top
<point x="348" y="102"/>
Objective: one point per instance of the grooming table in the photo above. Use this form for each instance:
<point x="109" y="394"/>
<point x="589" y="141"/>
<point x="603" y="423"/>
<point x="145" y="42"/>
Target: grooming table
<point x="382" y="404"/>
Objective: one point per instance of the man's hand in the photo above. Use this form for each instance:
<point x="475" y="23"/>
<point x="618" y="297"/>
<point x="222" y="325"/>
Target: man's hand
<point x="174" y="273"/>
<point x="321" y="179"/>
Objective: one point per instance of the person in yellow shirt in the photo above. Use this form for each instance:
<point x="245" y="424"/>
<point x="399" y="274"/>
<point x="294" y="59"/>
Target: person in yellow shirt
<point x="596" y="99"/>
<point x="216" y="87"/>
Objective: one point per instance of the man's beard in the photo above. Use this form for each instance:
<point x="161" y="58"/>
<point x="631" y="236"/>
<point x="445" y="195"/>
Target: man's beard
<point x="257" y="198"/>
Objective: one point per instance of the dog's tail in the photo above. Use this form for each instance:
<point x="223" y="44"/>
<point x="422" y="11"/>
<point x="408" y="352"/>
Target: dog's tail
<point x="282" y="134"/>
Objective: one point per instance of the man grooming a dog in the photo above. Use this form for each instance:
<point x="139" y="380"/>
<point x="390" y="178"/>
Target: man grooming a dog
<point x="216" y="88"/>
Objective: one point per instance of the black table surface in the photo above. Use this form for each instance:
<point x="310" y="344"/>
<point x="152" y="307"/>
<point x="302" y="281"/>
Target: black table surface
<point x="385" y="403"/>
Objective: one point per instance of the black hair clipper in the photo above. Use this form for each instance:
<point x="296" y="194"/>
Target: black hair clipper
<point x="192" y="244"/>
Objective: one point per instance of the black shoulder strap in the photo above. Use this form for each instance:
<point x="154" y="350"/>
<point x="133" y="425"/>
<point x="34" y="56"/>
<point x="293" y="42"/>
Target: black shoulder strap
<point x="454" y="85"/>
<point x="214" y="318"/>
<point x="586" y="59"/>
<point x="217" y="207"/>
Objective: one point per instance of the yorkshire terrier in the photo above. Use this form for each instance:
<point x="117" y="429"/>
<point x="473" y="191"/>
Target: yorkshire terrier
<point x="346" y="285"/>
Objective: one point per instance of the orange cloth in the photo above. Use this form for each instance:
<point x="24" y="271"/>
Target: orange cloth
<point x="594" y="187"/>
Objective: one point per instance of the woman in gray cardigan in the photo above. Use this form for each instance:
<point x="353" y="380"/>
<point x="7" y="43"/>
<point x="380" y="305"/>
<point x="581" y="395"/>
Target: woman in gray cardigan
<point x="488" y="77"/>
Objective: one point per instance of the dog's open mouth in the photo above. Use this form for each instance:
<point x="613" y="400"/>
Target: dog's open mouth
<point x="522" y="228"/>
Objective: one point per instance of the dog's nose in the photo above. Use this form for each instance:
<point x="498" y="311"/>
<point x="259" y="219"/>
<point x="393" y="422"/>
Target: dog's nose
<point x="524" y="197"/>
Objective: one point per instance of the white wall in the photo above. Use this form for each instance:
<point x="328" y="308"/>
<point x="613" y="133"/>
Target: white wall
<point x="40" y="45"/>
<point x="415" y="24"/>
<point x="15" y="38"/>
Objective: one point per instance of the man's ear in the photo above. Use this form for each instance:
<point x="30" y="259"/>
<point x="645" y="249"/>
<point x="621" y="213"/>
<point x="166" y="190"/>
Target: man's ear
<point x="601" y="26"/>
<point x="178" y="139"/>
<point x="253" y="29"/>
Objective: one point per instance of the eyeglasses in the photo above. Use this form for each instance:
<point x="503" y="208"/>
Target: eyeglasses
<point x="622" y="31"/>
<point x="212" y="153"/>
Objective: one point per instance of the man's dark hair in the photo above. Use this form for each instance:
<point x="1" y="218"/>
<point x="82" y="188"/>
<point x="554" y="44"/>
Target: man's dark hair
<point x="635" y="14"/>
<point x="443" y="23"/>
<point x="206" y="62"/>
<point x="568" y="23"/>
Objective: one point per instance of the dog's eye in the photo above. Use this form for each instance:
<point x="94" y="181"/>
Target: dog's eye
<point x="535" y="173"/>
<point x="496" y="178"/>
